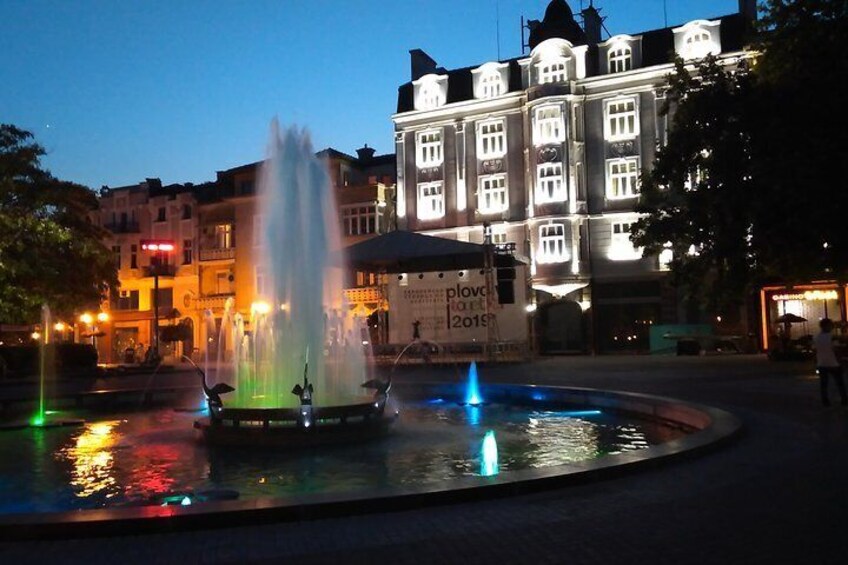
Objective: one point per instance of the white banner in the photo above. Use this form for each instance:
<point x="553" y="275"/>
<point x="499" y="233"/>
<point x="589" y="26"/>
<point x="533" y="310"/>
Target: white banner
<point x="451" y="308"/>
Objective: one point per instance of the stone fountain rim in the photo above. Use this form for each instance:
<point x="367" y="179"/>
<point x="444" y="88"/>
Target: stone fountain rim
<point x="715" y="427"/>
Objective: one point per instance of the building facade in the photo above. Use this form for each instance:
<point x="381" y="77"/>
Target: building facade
<point x="215" y="228"/>
<point x="547" y="149"/>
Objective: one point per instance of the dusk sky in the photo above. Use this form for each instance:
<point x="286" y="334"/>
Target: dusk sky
<point x="118" y="91"/>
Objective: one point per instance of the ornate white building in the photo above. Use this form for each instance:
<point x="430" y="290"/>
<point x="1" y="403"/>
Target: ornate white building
<point x="547" y="148"/>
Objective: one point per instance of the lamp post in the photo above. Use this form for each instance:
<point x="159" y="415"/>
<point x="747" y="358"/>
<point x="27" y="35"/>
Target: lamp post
<point x="160" y="250"/>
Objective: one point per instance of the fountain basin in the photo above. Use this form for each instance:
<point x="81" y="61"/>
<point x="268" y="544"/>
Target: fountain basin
<point x="706" y="428"/>
<point x="281" y="427"/>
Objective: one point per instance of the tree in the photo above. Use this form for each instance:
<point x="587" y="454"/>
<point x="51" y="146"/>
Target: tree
<point x="50" y="252"/>
<point x="750" y="179"/>
<point x="698" y="193"/>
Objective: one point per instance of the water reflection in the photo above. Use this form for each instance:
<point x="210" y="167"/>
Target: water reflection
<point x="92" y="458"/>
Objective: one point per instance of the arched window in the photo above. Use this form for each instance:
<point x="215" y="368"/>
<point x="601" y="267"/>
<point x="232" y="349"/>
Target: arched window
<point x="491" y="85"/>
<point x="551" y="71"/>
<point x="697" y="44"/>
<point x="620" y="59"/>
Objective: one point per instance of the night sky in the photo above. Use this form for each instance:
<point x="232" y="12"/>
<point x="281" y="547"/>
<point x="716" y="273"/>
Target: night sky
<point x="118" y="91"/>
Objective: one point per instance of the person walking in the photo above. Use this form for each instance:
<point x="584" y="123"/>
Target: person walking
<point x="827" y="364"/>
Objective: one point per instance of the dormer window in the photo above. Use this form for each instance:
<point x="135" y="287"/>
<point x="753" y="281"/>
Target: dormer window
<point x="429" y="152"/>
<point x="620" y="58"/>
<point x="698" y="39"/>
<point x="553" y="71"/>
<point x="491" y="85"/>
<point x="549" y="125"/>
<point x="430" y="92"/>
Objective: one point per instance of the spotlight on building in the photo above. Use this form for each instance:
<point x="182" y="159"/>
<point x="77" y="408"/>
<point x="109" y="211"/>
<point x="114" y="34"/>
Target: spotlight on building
<point x="102" y="317"/>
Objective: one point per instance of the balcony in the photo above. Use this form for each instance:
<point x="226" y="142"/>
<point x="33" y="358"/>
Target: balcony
<point x="362" y="295"/>
<point x="160" y="270"/>
<point x="218" y="254"/>
<point x="123" y="227"/>
<point x="212" y="302"/>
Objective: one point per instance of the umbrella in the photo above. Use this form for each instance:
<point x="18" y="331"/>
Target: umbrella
<point x="790" y="319"/>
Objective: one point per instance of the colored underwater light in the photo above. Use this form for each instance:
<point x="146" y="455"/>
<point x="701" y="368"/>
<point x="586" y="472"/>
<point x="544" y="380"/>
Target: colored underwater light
<point x="489" y="458"/>
<point x="578" y="413"/>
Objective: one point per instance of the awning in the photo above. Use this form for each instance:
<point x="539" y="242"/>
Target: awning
<point x="404" y="251"/>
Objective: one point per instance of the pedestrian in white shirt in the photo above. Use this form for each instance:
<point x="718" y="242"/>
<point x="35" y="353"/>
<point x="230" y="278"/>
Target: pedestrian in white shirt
<point x="827" y="364"/>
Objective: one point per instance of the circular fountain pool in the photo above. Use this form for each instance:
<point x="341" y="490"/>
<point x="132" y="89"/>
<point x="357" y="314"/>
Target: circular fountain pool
<point x="133" y="463"/>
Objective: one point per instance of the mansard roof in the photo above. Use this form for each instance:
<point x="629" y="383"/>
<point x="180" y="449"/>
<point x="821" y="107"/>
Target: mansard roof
<point x="657" y="49"/>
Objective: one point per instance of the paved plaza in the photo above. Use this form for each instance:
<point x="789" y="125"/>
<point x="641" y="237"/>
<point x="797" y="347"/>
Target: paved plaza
<point x="777" y="494"/>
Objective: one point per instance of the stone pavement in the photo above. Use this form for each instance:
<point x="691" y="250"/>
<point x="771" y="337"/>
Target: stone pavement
<point x="778" y="494"/>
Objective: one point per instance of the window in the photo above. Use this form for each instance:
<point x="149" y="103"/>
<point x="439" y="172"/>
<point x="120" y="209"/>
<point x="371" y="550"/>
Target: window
<point x="125" y="300"/>
<point x="491" y="140"/>
<point x="498" y="236"/>
<point x="552" y="244"/>
<point x="492" y="197"/>
<point x="161" y="216"/>
<point x="621" y="248"/>
<point x="186" y="212"/>
<point x="260" y="281"/>
<point x="549" y="184"/>
<point x="359" y="220"/>
<point x="187" y="249"/>
<point x="258" y="225"/>
<point x="165" y="299"/>
<point x="222" y="282"/>
<point x="430" y="96"/>
<point x="224" y="236"/>
<point x="623" y="178"/>
<point x="697" y="44"/>
<point x="246" y="187"/>
<point x="133" y="256"/>
<point x="552" y="71"/>
<point x="491" y="85"/>
<point x="549" y="125"/>
<point x="431" y="201"/>
<point x="621" y="120"/>
<point x="116" y="252"/>
<point x="429" y="148"/>
<point x="620" y="59"/>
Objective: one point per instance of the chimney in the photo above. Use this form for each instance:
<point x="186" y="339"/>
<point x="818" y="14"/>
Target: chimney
<point x="421" y="63"/>
<point x="748" y="8"/>
<point x="592" y="24"/>
<point x="365" y="154"/>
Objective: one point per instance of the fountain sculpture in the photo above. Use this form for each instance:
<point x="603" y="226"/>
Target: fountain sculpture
<point x="299" y="331"/>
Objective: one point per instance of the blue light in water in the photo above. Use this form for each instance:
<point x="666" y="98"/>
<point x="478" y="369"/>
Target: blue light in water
<point x="436" y="401"/>
<point x="186" y="501"/>
<point x="472" y="393"/>
<point x="473" y="414"/>
<point x="489" y="456"/>
<point x="538" y="396"/>
<point x="578" y="413"/>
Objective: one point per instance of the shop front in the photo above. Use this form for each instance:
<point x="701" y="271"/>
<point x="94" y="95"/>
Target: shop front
<point x="791" y="315"/>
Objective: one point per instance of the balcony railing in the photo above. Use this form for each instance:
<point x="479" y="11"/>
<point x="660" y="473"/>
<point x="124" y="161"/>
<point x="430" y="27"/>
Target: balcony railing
<point x="215" y="254"/>
<point x="363" y="294"/>
<point x="213" y="302"/>
<point x="160" y="270"/>
<point x="122" y="227"/>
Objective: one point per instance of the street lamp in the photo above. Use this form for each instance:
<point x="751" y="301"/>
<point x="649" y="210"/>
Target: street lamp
<point x="160" y="250"/>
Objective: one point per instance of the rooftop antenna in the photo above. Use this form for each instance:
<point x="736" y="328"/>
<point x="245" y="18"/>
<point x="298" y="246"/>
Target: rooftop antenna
<point x="498" y="26"/>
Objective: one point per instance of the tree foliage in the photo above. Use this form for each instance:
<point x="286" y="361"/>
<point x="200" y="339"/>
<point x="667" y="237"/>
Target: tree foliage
<point x="748" y="188"/>
<point x="50" y="253"/>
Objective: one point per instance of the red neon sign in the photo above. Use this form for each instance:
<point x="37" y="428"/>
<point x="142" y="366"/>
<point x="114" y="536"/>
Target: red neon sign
<point x="165" y="245"/>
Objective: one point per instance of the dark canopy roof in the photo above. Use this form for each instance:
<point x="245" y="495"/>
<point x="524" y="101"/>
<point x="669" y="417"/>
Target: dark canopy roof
<point x="404" y="251"/>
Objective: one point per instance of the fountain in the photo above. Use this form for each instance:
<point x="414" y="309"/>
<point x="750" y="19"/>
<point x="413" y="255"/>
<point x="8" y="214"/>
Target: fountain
<point x="296" y="366"/>
<point x="489" y="455"/>
<point x="472" y="391"/>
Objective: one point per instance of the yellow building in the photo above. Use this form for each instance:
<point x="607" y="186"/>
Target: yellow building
<point x="215" y="228"/>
